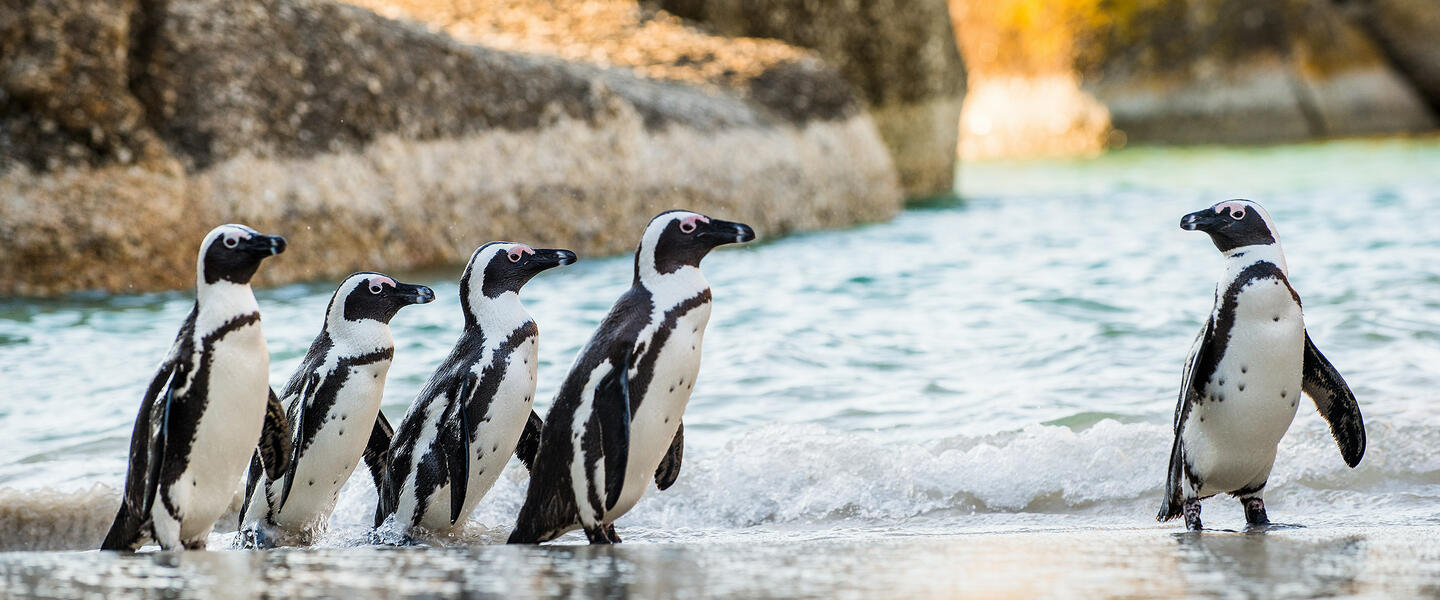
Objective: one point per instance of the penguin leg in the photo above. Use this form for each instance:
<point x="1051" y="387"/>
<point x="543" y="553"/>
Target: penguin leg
<point x="198" y="542"/>
<point x="1255" y="511"/>
<point x="1191" y="509"/>
<point x="596" y="534"/>
<point x="166" y="529"/>
<point x="610" y="533"/>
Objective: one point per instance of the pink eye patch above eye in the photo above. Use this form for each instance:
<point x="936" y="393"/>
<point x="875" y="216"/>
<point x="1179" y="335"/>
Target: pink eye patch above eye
<point x="375" y="281"/>
<point x="689" y="223"/>
<point x="1236" y="209"/>
<point x="520" y="250"/>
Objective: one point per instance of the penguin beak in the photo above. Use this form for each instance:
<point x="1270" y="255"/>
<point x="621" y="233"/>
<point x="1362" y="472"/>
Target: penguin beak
<point x="1201" y="220"/>
<point x="546" y="258"/>
<point x="719" y="233"/>
<point x="414" y="294"/>
<point x="263" y="245"/>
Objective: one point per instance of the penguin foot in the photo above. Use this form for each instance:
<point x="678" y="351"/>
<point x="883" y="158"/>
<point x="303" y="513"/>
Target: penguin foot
<point x="1192" y="514"/>
<point x="1255" y="512"/>
<point x="610" y="533"/>
<point x="599" y="535"/>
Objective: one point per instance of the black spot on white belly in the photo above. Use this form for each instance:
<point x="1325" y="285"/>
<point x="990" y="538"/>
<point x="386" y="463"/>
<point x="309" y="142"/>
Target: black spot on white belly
<point x="312" y="482"/>
<point x="1244" y="369"/>
<point x="1242" y="387"/>
<point x="1283" y="393"/>
<point x="495" y="448"/>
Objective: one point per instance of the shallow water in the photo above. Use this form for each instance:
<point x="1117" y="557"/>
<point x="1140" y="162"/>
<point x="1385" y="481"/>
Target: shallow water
<point x="1006" y="364"/>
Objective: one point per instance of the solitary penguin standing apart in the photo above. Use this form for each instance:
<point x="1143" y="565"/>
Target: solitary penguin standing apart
<point x="615" y="423"/>
<point x="205" y="409"/>
<point x="333" y="402"/>
<point x="476" y="410"/>
<point x="1245" y="374"/>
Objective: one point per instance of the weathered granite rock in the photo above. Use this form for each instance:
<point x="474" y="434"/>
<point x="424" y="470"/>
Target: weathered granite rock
<point x="373" y="144"/>
<point x="901" y="54"/>
<point x="1408" y="31"/>
<point x="1190" y="71"/>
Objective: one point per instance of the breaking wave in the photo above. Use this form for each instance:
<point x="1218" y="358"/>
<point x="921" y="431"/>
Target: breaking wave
<point x="804" y="476"/>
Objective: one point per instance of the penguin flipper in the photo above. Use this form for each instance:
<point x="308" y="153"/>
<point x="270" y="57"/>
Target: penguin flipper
<point x="669" y="469"/>
<point x="1335" y="402"/>
<point x="275" y="445"/>
<point x="1172" y="506"/>
<point x="612" y="412"/>
<point x="457" y="449"/>
<point x="377" y="450"/>
<point x="302" y="406"/>
<point x="529" y="444"/>
<point x="252" y="480"/>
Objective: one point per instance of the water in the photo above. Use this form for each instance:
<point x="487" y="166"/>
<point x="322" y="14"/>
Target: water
<point x="1008" y="364"/>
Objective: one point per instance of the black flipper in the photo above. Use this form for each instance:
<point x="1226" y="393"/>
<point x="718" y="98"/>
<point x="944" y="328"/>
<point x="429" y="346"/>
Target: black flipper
<point x="457" y="449"/>
<point x="160" y="424"/>
<point x="669" y="469"/>
<point x="275" y="445"/>
<point x="529" y="444"/>
<point x="612" y="410"/>
<point x="1172" y="505"/>
<point x="302" y="406"/>
<point x="377" y="450"/>
<point x="1335" y="402"/>
<point x="252" y="479"/>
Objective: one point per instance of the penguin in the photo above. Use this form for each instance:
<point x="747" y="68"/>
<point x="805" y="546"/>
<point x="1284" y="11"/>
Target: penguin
<point x="477" y="408"/>
<point x="336" y="390"/>
<point x="206" y="407"/>
<point x="1245" y="373"/>
<point x="616" y="421"/>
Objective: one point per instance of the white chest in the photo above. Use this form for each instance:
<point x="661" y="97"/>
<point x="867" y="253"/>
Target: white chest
<point x="1252" y="397"/>
<point x="653" y="426"/>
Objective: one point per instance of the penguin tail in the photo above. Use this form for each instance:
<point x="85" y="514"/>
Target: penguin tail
<point x="126" y="533"/>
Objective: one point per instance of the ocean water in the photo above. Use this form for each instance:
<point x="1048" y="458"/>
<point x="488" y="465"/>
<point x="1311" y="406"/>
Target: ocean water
<point x="1006" y="363"/>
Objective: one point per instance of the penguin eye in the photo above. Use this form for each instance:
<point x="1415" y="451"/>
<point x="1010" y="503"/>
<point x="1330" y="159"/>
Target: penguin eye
<point x="687" y="227"/>
<point x="375" y="288"/>
<point x="231" y="242"/>
<point x="514" y="256"/>
<point x="1237" y="213"/>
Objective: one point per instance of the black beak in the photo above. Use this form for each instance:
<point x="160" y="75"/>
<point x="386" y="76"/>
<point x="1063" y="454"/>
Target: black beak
<point x="414" y="294"/>
<point x="719" y="232"/>
<point x="263" y="245"/>
<point x="1201" y="220"/>
<point x="546" y="258"/>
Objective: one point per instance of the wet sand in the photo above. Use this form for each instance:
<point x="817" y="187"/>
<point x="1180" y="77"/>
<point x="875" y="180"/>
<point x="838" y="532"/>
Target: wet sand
<point x="1154" y="562"/>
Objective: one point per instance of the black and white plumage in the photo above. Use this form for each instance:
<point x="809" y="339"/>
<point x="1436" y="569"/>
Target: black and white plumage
<point x="333" y="402"/>
<point x="206" y="407"/>
<point x="1243" y="379"/>
<point x="616" y="421"/>
<point x="476" y="410"/>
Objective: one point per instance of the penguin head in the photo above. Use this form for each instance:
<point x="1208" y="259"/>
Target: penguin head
<point x="500" y="267"/>
<point x="233" y="253"/>
<point x="1233" y="224"/>
<point x="676" y="239"/>
<point x="374" y="296"/>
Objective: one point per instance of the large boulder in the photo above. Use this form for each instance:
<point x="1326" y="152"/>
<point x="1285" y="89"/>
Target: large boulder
<point x="900" y="54"/>
<point x="1408" y="31"/>
<point x="131" y="129"/>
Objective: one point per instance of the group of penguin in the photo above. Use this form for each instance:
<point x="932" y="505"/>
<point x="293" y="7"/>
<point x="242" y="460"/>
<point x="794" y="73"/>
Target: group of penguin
<point x="209" y="413"/>
<point x="616" y="422"/>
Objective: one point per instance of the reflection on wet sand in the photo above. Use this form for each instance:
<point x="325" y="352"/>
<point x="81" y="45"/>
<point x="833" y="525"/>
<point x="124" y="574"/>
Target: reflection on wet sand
<point x="1393" y="561"/>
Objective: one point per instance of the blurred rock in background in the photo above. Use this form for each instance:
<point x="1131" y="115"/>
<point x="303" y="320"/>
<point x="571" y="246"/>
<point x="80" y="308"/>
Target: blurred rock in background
<point x="1076" y="76"/>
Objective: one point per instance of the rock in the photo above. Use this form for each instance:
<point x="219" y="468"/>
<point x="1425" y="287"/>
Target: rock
<point x="900" y="54"/>
<point x="374" y="144"/>
<point x="1200" y="71"/>
<point x="1408" y="32"/>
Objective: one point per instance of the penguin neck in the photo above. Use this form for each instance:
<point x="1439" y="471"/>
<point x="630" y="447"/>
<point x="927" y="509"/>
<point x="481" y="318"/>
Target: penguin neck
<point x="357" y="337"/>
<point x="221" y="301"/>
<point x="1237" y="259"/>
<point x="668" y="288"/>
<point x="496" y="316"/>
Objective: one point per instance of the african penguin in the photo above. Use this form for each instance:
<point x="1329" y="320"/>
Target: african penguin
<point x="476" y="410"/>
<point x="206" y="407"/>
<point x="1245" y="373"/>
<point x="336" y="390"/>
<point x="615" y="423"/>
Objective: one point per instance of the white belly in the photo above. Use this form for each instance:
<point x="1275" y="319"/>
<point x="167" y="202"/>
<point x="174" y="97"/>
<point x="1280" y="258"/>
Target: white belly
<point x="653" y="427"/>
<point x="228" y="431"/>
<point x="495" y="440"/>
<point x="1231" y="443"/>
<point x="327" y="463"/>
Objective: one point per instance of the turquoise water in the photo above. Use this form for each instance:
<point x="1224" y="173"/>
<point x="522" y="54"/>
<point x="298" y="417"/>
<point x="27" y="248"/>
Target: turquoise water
<point x="1007" y="362"/>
